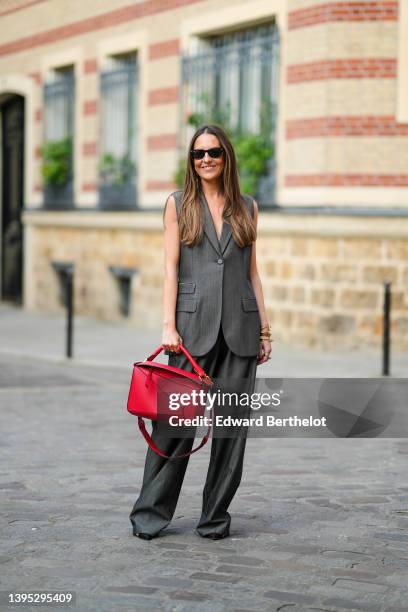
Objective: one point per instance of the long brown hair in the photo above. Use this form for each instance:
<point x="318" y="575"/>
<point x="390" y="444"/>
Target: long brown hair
<point x="191" y="221"/>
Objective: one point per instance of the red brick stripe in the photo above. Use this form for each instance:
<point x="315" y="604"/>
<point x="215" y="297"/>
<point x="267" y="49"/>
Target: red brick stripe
<point x="363" y="125"/>
<point x="89" y="149"/>
<point x="164" y="49"/>
<point x="162" y="142"/>
<point x="92" y="24"/>
<point x="20" y="8"/>
<point x="90" y="65"/>
<point x="90" y="107"/>
<point x="160" y="185"/>
<point x="38" y="114"/>
<point x="368" y="68"/>
<point x="36" y="76"/>
<point x="343" y="11"/>
<point x="346" y="180"/>
<point x="89" y="187"/>
<point x="37" y="152"/>
<point x="167" y="95"/>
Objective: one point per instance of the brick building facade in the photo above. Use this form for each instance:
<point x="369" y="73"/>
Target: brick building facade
<point x="336" y="227"/>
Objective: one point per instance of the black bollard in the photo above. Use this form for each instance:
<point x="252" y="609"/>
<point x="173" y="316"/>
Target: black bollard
<point x="70" y="310"/>
<point x="65" y="274"/>
<point x="386" y="329"/>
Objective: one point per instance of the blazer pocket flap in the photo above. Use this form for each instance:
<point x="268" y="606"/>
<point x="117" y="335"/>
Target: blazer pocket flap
<point x="186" y="287"/>
<point x="249" y="304"/>
<point x="186" y="305"/>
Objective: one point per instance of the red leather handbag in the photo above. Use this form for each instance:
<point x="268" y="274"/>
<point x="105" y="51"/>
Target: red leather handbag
<point x="150" y="393"/>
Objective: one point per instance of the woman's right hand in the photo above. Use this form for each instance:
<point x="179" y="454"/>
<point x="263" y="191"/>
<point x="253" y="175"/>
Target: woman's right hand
<point x="171" y="339"/>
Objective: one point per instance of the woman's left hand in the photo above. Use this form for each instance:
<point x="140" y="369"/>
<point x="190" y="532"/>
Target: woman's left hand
<point x="265" y="349"/>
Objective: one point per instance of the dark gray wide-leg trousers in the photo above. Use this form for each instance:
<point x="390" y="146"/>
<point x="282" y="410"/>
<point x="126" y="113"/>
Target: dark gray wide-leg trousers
<point x="162" y="480"/>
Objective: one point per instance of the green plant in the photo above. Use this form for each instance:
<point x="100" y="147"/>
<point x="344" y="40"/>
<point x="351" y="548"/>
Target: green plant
<point x="116" y="170"/>
<point x="253" y="152"/>
<point x="57" y="161"/>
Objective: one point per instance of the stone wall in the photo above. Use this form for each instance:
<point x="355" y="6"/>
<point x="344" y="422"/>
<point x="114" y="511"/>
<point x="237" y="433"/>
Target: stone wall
<point x="93" y="250"/>
<point x="328" y="292"/>
<point x="323" y="288"/>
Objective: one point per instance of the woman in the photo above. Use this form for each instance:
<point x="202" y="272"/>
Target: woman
<point x="213" y="303"/>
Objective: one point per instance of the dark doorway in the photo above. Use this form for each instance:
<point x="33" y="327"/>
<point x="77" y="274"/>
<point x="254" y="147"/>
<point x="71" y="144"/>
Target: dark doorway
<point x="12" y="196"/>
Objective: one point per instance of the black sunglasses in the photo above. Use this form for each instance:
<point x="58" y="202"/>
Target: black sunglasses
<point x="215" y="153"/>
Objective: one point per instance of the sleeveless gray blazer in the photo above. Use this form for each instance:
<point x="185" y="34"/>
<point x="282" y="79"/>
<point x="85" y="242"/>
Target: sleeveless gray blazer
<point x="214" y="288"/>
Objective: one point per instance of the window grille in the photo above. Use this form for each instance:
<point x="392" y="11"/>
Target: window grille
<point x="232" y="79"/>
<point x="59" y="107"/>
<point x="118" y="137"/>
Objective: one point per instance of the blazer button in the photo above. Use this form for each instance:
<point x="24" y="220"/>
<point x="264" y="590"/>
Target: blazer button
<point x="220" y="261"/>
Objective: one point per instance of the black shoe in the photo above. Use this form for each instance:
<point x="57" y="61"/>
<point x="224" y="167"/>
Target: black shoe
<point x="217" y="536"/>
<point x="144" y="536"/>
<point x="214" y="536"/>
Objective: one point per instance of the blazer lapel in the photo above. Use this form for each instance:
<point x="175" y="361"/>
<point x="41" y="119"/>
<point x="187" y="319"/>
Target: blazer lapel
<point x="225" y="236"/>
<point x="209" y="229"/>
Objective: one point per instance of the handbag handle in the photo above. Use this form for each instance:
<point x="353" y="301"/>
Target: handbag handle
<point x="204" y="378"/>
<point x="198" y="369"/>
<point x="154" y="448"/>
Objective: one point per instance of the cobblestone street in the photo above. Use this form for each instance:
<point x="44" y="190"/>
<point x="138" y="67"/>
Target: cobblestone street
<point x="317" y="524"/>
<point x="171" y="170"/>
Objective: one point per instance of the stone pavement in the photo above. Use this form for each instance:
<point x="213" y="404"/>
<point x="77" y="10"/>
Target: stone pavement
<point x="317" y="524"/>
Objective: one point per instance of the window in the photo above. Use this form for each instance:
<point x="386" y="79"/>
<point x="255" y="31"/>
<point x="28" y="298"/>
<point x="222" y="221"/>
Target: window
<point x="232" y="79"/>
<point x="57" y="150"/>
<point x="118" y="140"/>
